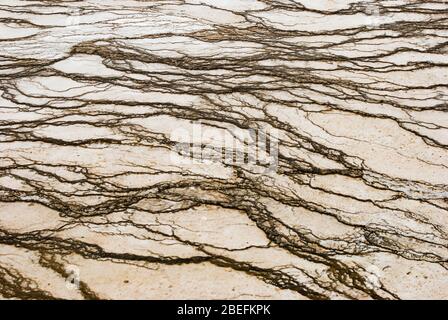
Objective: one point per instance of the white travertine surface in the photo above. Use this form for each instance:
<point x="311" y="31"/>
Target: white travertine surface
<point x="224" y="149"/>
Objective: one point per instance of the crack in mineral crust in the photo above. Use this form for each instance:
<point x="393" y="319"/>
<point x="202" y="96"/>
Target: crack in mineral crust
<point x="98" y="202"/>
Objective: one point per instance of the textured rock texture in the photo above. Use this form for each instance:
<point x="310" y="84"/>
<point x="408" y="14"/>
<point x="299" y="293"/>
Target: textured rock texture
<point x="231" y="149"/>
